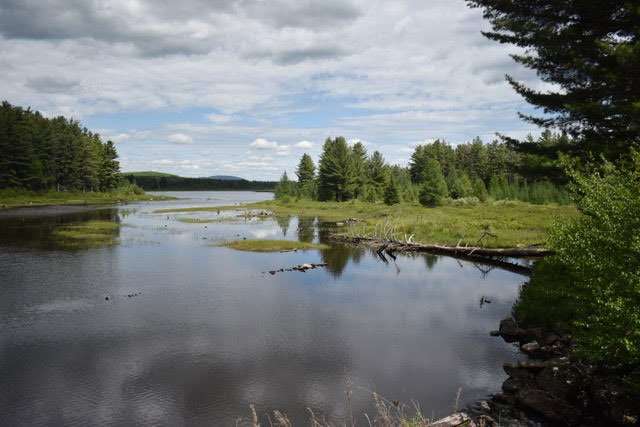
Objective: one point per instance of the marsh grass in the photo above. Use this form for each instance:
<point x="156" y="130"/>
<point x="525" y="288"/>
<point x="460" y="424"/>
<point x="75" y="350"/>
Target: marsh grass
<point x="387" y="414"/>
<point x="87" y="234"/>
<point x="271" y="245"/>
<point x="502" y="223"/>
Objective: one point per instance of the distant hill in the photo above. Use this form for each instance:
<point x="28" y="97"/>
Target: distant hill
<point x="148" y="173"/>
<point x="227" y="178"/>
<point x="158" y="181"/>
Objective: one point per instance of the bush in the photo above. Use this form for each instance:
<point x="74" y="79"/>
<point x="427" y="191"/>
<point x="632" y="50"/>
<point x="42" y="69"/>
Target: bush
<point x="597" y="267"/>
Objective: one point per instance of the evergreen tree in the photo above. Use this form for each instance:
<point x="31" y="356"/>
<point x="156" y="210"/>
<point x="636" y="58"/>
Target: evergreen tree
<point x="306" y="170"/>
<point x="359" y="159"/>
<point x="479" y="189"/>
<point x="434" y="187"/>
<point x="590" y="51"/>
<point x="336" y="177"/>
<point x="391" y="195"/>
<point x="285" y="188"/>
<point x="110" y="167"/>
<point x="38" y="153"/>
<point x="377" y="173"/>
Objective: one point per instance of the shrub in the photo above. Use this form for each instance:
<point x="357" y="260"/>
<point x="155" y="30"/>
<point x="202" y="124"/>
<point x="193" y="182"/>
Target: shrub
<point x="596" y="267"/>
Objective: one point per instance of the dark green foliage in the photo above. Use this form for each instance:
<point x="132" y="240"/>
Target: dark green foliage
<point x="434" y="187"/>
<point x="508" y="174"/>
<point x="377" y="175"/>
<point x="592" y="284"/>
<point x="479" y="189"/>
<point x="167" y="182"/>
<point x="285" y="188"/>
<point x="391" y="195"/>
<point x="336" y="176"/>
<point x="359" y="160"/>
<point x="459" y="185"/>
<point x="37" y="153"/>
<point x="306" y="170"/>
<point x="590" y="51"/>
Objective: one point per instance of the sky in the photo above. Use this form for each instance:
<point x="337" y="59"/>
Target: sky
<point x="245" y="87"/>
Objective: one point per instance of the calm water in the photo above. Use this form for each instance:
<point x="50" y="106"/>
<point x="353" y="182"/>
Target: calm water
<point x="211" y="333"/>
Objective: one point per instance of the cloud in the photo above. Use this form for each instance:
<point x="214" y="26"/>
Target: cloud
<point x="304" y="145"/>
<point x="179" y="138"/>
<point x="221" y="73"/>
<point x="219" y="118"/>
<point x="52" y="84"/>
<point x="263" y="144"/>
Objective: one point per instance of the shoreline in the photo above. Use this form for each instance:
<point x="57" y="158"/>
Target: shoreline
<point x="56" y="199"/>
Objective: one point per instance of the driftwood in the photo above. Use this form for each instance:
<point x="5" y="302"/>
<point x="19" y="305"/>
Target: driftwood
<point x="489" y="256"/>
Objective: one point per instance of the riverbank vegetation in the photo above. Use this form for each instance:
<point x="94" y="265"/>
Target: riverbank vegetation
<point x="492" y="224"/>
<point x="272" y="245"/>
<point x="437" y="172"/>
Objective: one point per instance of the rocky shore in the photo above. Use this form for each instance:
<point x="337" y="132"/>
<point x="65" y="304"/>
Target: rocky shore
<point x="554" y="388"/>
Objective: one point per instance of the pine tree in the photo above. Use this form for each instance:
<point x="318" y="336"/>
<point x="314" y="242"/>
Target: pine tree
<point x="434" y="187"/>
<point x="335" y="172"/>
<point x="378" y="174"/>
<point x="391" y="195"/>
<point x="590" y="51"/>
<point x="110" y="167"/>
<point x="306" y="170"/>
<point x="359" y="159"/>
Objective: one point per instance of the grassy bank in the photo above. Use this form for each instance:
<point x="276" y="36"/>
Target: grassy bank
<point x="271" y="245"/>
<point x="11" y="198"/>
<point x="502" y="223"/>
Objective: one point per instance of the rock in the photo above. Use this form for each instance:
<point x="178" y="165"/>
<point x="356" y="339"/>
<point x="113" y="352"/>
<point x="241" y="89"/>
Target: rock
<point x="484" y="406"/>
<point x="551" y="339"/>
<point x="456" y="420"/>
<point x="514" y="371"/>
<point x="530" y="348"/>
<point x="534" y="365"/>
<point x="511" y="385"/>
<point x="272" y="272"/>
<point x="306" y="266"/>
<point x="548" y="406"/>
<point x="106" y="298"/>
<point x="509" y="330"/>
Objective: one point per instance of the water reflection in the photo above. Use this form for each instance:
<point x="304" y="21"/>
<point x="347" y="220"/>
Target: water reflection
<point x="211" y="333"/>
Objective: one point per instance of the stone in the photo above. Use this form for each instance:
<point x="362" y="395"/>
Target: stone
<point x="456" y="420"/>
<point x="548" y="406"/>
<point x="530" y="347"/>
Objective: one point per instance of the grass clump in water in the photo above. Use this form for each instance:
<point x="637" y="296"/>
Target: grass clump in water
<point x="87" y="234"/>
<point x="271" y="245"/>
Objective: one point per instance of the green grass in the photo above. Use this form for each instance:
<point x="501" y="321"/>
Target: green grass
<point x="513" y="223"/>
<point x="271" y="245"/>
<point x="11" y="198"/>
<point x="87" y="234"/>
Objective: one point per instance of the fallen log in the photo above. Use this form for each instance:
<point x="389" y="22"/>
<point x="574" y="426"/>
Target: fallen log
<point x="489" y="256"/>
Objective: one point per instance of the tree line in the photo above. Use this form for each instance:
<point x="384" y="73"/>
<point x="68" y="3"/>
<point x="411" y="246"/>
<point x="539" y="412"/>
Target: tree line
<point x="436" y="171"/>
<point x="179" y="183"/>
<point x="38" y="153"/>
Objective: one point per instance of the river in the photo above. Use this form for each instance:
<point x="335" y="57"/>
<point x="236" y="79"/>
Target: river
<point x="210" y="331"/>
